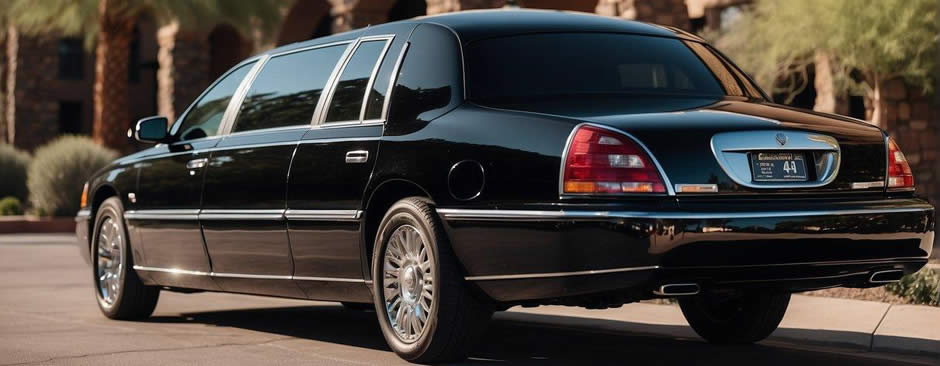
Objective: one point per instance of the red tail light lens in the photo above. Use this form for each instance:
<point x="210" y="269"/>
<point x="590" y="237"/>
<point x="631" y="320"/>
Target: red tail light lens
<point x="899" y="171"/>
<point x="601" y="161"/>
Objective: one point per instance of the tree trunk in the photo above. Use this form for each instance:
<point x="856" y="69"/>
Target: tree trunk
<point x="827" y="98"/>
<point x="111" y="114"/>
<point x="877" y="103"/>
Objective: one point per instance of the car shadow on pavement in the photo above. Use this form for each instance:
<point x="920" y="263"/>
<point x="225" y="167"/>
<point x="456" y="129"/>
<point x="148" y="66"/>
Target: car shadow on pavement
<point x="530" y="339"/>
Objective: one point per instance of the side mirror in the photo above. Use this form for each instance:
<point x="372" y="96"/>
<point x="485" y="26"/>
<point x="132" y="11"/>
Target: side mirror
<point x="152" y="130"/>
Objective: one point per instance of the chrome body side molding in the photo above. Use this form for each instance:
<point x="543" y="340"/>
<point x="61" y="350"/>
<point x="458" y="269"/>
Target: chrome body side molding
<point x="499" y="215"/>
<point x="213" y="214"/>
<point x="558" y="274"/>
<point x="323" y="215"/>
<point x="245" y="275"/>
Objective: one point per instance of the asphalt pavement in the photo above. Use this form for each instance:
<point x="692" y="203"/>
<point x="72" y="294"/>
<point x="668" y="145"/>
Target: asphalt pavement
<point x="48" y="316"/>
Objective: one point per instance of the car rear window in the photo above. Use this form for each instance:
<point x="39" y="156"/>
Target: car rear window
<point x="528" y="67"/>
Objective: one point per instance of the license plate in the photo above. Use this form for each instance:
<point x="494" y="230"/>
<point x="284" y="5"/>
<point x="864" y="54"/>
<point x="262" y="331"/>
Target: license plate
<point x="778" y="167"/>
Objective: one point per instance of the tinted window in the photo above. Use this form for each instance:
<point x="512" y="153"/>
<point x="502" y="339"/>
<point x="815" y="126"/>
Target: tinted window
<point x="520" y="68"/>
<point x="204" y="117"/>
<point x="430" y="82"/>
<point x="351" y="88"/>
<point x="286" y="91"/>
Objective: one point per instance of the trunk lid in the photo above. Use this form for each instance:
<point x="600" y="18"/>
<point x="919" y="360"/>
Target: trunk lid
<point x="709" y="141"/>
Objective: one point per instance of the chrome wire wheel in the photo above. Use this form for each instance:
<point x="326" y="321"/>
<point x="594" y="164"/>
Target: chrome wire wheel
<point x="408" y="283"/>
<point x="109" y="258"/>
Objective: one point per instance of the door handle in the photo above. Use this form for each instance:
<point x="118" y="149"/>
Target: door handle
<point x="357" y="157"/>
<point x="196" y="163"/>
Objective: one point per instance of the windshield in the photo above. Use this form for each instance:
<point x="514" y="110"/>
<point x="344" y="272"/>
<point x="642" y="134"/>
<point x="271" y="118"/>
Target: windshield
<point x="571" y="65"/>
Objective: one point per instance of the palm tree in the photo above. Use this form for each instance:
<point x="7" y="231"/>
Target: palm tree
<point x="108" y="25"/>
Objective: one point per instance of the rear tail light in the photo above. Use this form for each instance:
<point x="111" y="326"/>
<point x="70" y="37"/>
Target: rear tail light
<point x="601" y="161"/>
<point x="899" y="171"/>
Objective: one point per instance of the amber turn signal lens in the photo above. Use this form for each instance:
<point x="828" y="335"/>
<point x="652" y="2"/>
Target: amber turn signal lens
<point x="84" y="201"/>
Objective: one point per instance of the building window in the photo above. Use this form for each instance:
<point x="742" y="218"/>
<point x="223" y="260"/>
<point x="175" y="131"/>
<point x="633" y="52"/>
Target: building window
<point x="71" y="59"/>
<point x="70" y="117"/>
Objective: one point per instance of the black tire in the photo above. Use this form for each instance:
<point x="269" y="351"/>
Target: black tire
<point x="358" y="306"/>
<point x="134" y="300"/>
<point x="456" y="318"/>
<point x="735" y="318"/>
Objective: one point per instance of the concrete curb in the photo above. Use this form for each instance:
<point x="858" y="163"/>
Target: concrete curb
<point x="819" y="321"/>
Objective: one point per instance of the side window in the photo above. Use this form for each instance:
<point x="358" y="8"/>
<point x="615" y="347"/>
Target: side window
<point x="204" y="117"/>
<point x="287" y="89"/>
<point x="350" y="90"/>
<point x="430" y="82"/>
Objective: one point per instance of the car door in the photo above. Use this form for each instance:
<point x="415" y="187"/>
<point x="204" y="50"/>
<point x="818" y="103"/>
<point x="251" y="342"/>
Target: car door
<point x="246" y="179"/>
<point x="164" y="216"/>
<point x="331" y="169"/>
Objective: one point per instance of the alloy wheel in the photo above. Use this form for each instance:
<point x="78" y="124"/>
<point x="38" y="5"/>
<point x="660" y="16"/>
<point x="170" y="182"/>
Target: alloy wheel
<point x="109" y="260"/>
<point x="408" y="283"/>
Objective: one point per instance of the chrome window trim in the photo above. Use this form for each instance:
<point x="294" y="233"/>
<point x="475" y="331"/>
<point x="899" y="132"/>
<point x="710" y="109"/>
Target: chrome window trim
<point x="498" y="215"/>
<point x="372" y="76"/>
<point x="175" y="125"/>
<point x="323" y="215"/>
<point x="564" y="157"/>
<point x="393" y="79"/>
<point x="327" y="99"/>
<point x="338" y="139"/>
<point x="159" y="214"/>
<point x="266" y="58"/>
<point x="738" y="143"/>
<point x="234" y="106"/>
<point x="245" y="275"/>
<point x="269" y="130"/>
<point x="558" y="274"/>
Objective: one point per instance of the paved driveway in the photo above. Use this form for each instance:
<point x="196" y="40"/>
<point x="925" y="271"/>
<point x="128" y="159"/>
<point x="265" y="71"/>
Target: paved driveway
<point x="48" y="316"/>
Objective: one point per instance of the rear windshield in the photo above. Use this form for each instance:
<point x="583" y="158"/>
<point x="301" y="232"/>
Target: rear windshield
<point x="563" y="65"/>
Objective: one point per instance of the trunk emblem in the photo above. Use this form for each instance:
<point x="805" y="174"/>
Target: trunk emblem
<point x="782" y="139"/>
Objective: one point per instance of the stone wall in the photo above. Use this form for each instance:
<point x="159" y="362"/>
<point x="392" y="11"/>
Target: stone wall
<point x="914" y="122"/>
<point x="184" y="69"/>
<point x="35" y="114"/>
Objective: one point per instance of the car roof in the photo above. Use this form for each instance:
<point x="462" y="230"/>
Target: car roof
<point x="473" y="25"/>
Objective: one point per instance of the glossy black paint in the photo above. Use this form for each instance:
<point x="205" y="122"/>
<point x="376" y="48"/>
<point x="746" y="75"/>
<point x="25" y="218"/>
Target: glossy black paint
<point x="432" y="124"/>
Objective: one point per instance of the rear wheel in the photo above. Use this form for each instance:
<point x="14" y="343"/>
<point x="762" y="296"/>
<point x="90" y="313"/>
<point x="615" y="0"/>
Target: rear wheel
<point x="425" y="311"/>
<point x="735" y="317"/>
<point x="120" y="293"/>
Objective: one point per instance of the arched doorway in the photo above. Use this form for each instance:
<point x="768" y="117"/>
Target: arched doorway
<point x="305" y="20"/>
<point x="226" y="48"/>
<point x="405" y="9"/>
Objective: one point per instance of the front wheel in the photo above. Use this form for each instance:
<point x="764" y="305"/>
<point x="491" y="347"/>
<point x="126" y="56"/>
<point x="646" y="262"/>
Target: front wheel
<point x="120" y="293"/>
<point x="425" y="311"/>
<point x="735" y="317"/>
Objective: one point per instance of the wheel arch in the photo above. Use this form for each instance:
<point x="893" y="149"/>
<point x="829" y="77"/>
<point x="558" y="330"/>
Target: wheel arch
<point x="101" y="193"/>
<point x="381" y="198"/>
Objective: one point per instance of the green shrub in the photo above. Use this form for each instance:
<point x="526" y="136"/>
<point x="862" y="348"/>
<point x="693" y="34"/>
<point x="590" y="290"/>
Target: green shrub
<point x="59" y="170"/>
<point x="10" y="206"/>
<point x="922" y="287"/>
<point x="13" y="166"/>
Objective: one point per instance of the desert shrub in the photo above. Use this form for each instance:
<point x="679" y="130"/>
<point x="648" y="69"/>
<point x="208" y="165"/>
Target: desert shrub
<point x="10" y="206"/>
<point x="59" y="170"/>
<point x="922" y="287"/>
<point x="13" y="166"/>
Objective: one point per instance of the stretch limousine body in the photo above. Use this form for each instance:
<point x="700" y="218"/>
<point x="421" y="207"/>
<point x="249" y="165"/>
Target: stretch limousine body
<point x="446" y="167"/>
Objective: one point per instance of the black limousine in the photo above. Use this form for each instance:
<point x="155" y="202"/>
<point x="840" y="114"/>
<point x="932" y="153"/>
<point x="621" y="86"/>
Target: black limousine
<point x="446" y="167"/>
